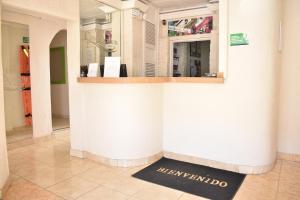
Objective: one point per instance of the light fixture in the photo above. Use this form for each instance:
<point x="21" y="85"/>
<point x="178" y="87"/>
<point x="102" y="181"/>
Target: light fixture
<point x="106" y="9"/>
<point x="213" y="1"/>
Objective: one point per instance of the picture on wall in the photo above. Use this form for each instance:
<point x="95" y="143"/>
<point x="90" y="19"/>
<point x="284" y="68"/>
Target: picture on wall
<point x="190" y="26"/>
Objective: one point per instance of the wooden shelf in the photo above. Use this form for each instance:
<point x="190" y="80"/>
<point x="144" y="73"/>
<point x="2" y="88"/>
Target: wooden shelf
<point x="144" y="80"/>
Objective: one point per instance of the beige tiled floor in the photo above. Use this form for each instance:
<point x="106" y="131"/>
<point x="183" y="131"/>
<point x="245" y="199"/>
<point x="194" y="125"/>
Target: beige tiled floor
<point x="42" y="169"/>
<point x="60" y="123"/>
<point x="19" y="134"/>
<point x="25" y="133"/>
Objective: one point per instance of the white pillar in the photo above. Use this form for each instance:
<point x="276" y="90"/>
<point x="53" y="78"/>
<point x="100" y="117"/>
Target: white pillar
<point x="4" y="172"/>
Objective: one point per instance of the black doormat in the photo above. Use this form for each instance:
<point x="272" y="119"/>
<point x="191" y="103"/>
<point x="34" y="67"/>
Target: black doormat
<point x="191" y="178"/>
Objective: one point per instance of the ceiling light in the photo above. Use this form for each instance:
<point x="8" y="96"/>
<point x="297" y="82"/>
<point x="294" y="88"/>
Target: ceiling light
<point x="106" y="9"/>
<point x="213" y="1"/>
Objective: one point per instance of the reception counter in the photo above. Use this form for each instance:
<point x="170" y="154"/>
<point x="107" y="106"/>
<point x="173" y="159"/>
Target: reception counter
<point x="137" y="80"/>
<point x="134" y="121"/>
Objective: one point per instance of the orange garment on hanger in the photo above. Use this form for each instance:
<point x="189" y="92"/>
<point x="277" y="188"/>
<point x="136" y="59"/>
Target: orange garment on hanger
<point x="24" y="59"/>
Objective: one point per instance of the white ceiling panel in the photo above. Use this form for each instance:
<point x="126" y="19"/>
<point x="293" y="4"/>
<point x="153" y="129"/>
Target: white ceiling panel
<point x="89" y="9"/>
<point x="175" y="4"/>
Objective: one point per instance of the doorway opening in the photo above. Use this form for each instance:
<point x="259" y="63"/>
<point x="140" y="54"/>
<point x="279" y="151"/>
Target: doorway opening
<point x="59" y="82"/>
<point x="16" y="80"/>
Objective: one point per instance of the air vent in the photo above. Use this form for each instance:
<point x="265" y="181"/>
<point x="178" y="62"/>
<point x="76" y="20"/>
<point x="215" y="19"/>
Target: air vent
<point x="150" y="33"/>
<point x="137" y="13"/>
<point x="150" y="70"/>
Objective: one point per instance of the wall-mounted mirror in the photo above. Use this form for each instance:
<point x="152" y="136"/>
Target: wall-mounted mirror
<point x="100" y="31"/>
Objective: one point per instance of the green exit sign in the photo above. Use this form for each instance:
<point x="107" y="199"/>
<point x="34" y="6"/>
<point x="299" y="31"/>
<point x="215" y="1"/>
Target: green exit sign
<point x="26" y="40"/>
<point x="237" y="39"/>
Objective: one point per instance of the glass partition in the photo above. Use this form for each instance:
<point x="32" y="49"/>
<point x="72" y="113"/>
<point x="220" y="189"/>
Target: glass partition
<point x="180" y="43"/>
<point x="100" y="33"/>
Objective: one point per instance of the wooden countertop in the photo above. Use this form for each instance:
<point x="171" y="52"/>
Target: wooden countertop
<point x="143" y="80"/>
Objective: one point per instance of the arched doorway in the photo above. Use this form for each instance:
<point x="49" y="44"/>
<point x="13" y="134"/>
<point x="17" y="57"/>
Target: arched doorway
<point x="59" y="81"/>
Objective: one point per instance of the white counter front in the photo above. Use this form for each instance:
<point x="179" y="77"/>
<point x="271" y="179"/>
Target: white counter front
<point x="123" y="122"/>
<point x="129" y="124"/>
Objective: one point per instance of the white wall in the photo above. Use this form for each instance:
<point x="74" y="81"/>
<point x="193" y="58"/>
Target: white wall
<point x="60" y="92"/>
<point x="236" y="120"/>
<point x="4" y="172"/>
<point x="289" y="106"/>
<point x="76" y="99"/>
<point x="12" y="38"/>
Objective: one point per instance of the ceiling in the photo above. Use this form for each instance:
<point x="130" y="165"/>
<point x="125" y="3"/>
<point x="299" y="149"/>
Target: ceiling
<point x="174" y="4"/>
<point x="89" y="9"/>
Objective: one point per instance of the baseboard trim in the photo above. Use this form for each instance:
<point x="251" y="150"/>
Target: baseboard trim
<point x="124" y="162"/>
<point x="220" y="165"/>
<point x="5" y="187"/>
<point x="288" y="157"/>
<point x="196" y="160"/>
<point x="77" y="153"/>
<point x="117" y="162"/>
<point x="61" y="116"/>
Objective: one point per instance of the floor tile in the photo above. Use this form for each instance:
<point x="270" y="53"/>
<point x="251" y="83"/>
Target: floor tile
<point x="16" y="163"/>
<point x="255" y="194"/>
<point x="287" y="196"/>
<point x="263" y="186"/>
<point x="157" y="192"/>
<point x="48" y="156"/>
<point x="77" y="165"/>
<point x="19" y="135"/>
<point x="50" y="143"/>
<point x="24" y="190"/>
<point x="31" y="167"/>
<point x="21" y="144"/>
<point x="60" y="123"/>
<point x="132" y="170"/>
<point x="290" y="178"/>
<point x="44" y="175"/>
<point x="125" y="184"/>
<point x="102" y="193"/>
<point x="100" y="175"/>
<point x="186" y="196"/>
<point x="72" y="188"/>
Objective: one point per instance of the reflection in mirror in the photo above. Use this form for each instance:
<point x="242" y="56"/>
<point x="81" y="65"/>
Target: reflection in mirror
<point x="192" y="59"/>
<point x="100" y="32"/>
